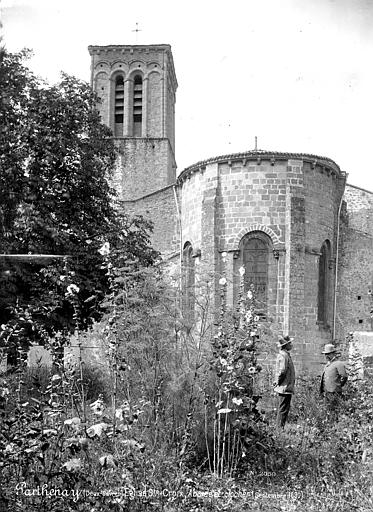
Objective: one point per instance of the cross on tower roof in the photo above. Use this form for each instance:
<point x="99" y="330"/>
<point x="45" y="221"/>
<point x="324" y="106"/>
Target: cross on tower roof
<point x="137" y="30"/>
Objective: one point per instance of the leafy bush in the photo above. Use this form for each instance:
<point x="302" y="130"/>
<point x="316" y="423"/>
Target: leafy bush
<point x="174" y="422"/>
<point x="323" y="465"/>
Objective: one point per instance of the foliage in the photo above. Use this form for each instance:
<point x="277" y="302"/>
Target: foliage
<point x="307" y="468"/>
<point x="237" y="432"/>
<point x="55" y="166"/>
<point x="317" y="463"/>
<point x="151" y="357"/>
<point x="64" y="446"/>
<point x="172" y="423"/>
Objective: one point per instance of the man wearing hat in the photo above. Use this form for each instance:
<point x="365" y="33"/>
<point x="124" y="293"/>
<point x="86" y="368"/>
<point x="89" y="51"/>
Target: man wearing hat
<point x="284" y="379"/>
<point x="333" y="378"/>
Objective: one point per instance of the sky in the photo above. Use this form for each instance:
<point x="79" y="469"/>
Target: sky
<point x="297" y="74"/>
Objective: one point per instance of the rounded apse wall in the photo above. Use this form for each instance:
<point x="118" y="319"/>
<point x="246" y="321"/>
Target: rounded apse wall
<point x="289" y="204"/>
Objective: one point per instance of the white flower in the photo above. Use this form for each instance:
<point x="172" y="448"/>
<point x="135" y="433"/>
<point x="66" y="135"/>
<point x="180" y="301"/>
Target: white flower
<point x="98" y="407"/>
<point x="224" y="411"/>
<point x="62" y="278"/>
<point x="252" y="369"/>
<point x="105" y="249"/>
<point x="237" y="401"/>
<point x="223" y="254"/>
<point x="10" y="448"/>
<point x="242" y="271"/>
<point x="73" y="465"/>
<point x="222" y="281"/>
<point x="72" y="421"/>
<point x="96" y="430"/>
<point x="72" y="288"/>
<point x="4" y="392"/>
<point x="119" y="414"/>
<point x="83" y="441"/>
<point x="50" y="431"/>
<point x="249" y="294"/>
<point x="108" y="461"/>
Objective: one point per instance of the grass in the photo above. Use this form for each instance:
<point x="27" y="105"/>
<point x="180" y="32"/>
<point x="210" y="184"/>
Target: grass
<point x="314" y="464"/>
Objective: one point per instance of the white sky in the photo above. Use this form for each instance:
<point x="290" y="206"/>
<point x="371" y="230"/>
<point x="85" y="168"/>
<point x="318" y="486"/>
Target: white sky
<point x="296" y="73"/>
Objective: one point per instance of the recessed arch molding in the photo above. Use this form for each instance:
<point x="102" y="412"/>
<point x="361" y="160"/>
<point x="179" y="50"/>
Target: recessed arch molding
<point x="233" y="243"/>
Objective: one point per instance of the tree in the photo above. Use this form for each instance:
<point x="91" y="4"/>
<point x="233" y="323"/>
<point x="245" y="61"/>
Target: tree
<point x="56" y="159"/>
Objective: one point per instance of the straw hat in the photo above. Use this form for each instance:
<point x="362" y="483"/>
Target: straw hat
<point x="329" y="349"/>
<point x="283" y="341"/>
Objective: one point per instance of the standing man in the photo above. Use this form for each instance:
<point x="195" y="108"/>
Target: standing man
<point x="333" y="379"/>
<point x="284" y="379"/>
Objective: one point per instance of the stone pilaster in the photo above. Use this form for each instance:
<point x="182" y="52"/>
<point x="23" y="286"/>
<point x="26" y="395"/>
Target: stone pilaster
<point x="127" y="108"/>
<point x="209" y="233"/>
<point x="145" y="85"/>
<point x="295" y="237"/>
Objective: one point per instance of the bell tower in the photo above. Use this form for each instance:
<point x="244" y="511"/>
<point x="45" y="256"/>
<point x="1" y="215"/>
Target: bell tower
<point x="137" y="89"/>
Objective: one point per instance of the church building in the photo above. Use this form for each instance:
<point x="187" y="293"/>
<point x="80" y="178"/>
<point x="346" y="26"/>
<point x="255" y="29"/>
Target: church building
<point x="303" y="235"/>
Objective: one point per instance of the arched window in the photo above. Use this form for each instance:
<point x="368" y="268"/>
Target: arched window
<point x="118" y="106"/>
<point x="254" y="257"/>
<point x="188" y="283"/>
<point x="323" y="289"/>
<point x="137" y="106"/>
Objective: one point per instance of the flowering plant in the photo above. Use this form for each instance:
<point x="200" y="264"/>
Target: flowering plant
<point x="234" y="363"/>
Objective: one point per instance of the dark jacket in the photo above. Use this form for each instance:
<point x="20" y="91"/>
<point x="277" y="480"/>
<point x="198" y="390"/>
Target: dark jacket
<point x="285" y="373"/>
<point x="334" y="377"/>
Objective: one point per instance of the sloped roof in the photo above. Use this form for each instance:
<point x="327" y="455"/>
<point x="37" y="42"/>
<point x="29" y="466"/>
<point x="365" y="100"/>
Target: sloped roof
<point x="260" y="154"/>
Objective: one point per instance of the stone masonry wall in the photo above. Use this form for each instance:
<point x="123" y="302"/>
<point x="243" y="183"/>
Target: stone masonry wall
<point x="295" y="203"/>
<point x="323" y="193"/>
<point x="191" y="209"/>
<point x="355" y="282"/>
<point x="295" y="257"/>
<point x="252" y="197"/>
<point x="170" y="116"/>
<point x="155" y="65"/>
<point x="253" y="194"/>
<point x="143" y="167"/>
<point x="154" y="108"/>
<point x="161" y="209"/>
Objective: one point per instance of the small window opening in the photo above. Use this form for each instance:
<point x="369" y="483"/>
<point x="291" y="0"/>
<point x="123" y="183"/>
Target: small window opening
<point x="360" y="321"/>
<point x="254" y="255"/>
<point x="137" y="106"/>
<point x="119" y="105"/>
<point x="359" y="297"/>
<point x="323" y="291"/>
<point x="188" y="287"/>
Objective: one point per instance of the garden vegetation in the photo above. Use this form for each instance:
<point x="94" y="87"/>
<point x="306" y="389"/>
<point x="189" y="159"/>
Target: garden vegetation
<point x="171" y="415"/>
